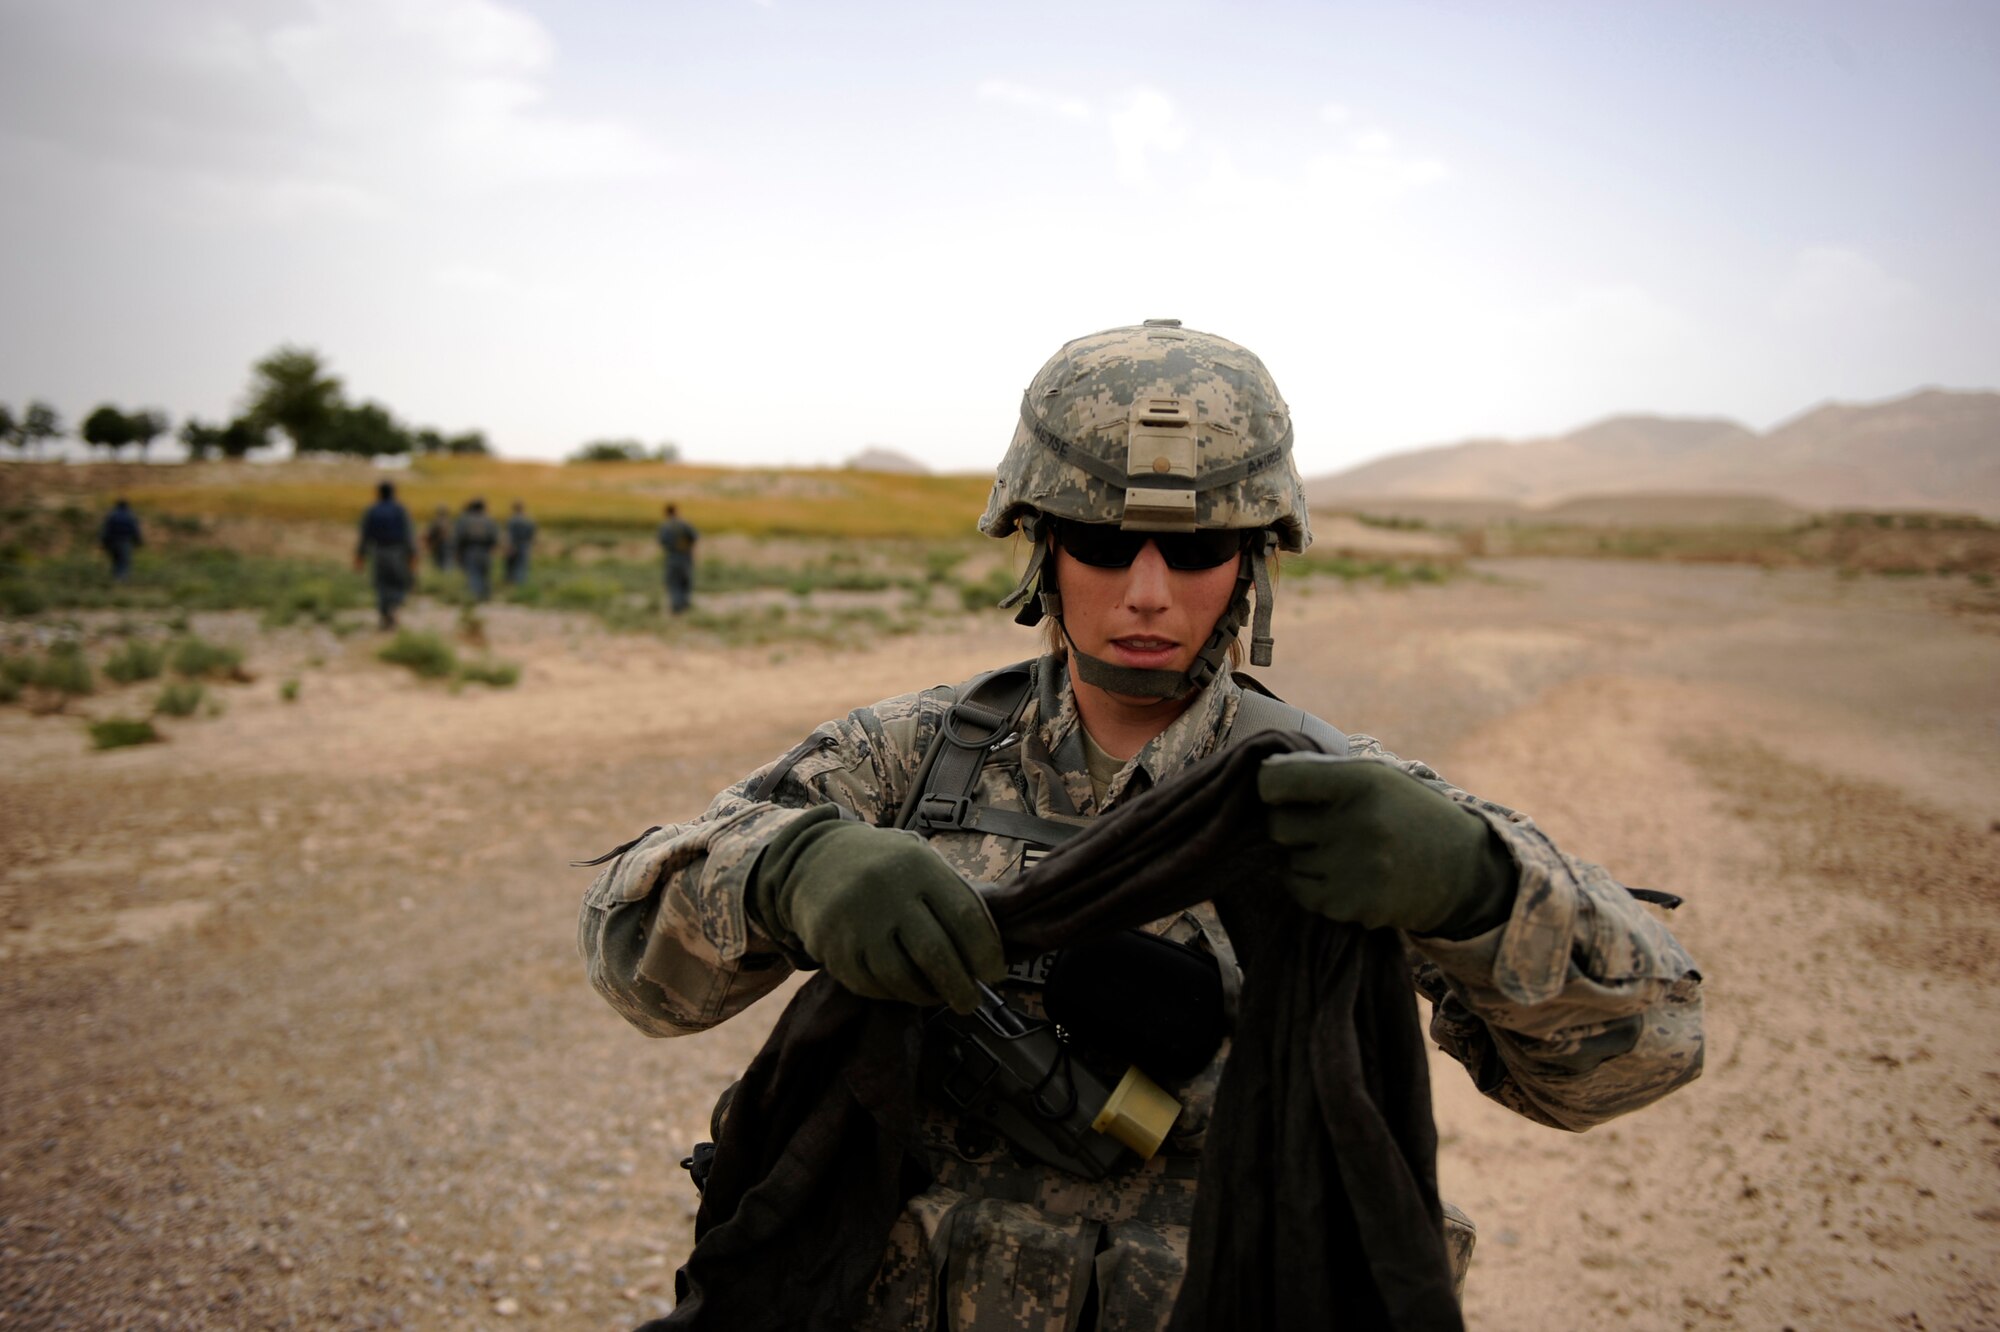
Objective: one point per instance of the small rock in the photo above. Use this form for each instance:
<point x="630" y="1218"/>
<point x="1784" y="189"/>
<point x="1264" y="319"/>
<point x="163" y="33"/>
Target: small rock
<point x="506" y="1306"/>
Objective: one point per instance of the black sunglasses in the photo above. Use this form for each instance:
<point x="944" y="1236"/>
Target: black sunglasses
<point x="1103" y="546"/>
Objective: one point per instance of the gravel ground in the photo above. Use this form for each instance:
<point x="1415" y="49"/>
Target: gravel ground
<point x="296" y="1034"/>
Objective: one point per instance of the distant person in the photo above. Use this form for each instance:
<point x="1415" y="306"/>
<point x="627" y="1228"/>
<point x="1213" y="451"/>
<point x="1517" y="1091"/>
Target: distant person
<point x="473" y="538"/>
<point x="520" y="539"/>
<point x="389" y="548"/>
<point x="437" y="538"/>
<point x="120" y="536"/>
<point x="677" y="537"/>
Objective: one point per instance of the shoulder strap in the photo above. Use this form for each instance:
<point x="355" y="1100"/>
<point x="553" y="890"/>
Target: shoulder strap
<point x="985" y="715"/>
<point x="1261" y="710"/>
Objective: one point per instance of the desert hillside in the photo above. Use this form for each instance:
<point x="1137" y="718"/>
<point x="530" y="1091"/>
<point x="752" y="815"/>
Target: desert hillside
<point x="1933" y="449"/>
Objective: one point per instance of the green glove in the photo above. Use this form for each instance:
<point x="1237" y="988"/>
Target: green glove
<point x="1371" y="844"/>
<point x="879" y="910"/>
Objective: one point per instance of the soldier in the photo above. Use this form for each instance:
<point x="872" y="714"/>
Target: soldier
<point x="677" y="537"/>
<point x="388" y="547"/>
<point x="120" y="536"/>
<point x="473" y="539"/>
<point x="520" y="538"/>
<point x="1151" y="473"/>
<point x="437" y="538"/>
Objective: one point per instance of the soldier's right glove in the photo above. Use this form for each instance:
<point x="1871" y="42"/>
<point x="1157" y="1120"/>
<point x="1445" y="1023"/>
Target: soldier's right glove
<point x="879" y="910"/>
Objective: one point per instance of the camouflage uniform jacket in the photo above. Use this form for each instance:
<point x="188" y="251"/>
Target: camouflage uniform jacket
<point x="1580" y="1007"/>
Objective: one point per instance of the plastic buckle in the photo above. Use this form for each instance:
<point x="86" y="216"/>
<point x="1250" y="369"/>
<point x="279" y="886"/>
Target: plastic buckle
<point x="943" y="812"/>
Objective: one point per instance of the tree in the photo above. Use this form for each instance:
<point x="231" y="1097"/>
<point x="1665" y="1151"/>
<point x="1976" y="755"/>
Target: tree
<point x="10" y="429"/>
<point x="429" y="440"/>
<point x="240" y="436"/>
<point x="472" y="442"/>
<point x="367" y="431"/>
<point x="107" y="428"/>
<point x="609" y="451"/>
<point x="201" y="440"/>
<point x="40" y="423"/>
<point x="291" y="391"/>
<point x="148" y="424"/>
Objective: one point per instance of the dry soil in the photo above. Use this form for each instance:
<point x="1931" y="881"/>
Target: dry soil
<point x="295" y="1033"/>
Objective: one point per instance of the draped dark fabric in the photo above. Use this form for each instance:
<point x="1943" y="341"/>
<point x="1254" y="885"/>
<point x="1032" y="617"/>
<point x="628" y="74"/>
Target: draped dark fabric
<point x="1317" y="1199"/>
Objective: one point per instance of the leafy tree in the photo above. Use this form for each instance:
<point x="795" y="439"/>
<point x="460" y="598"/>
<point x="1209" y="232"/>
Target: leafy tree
<point x="107" y="428"/>
<point x="471" y="442"/>
<point x="429" y="440"/>
<point x="38" y="424"/>
<point x="9" y="427"/>
<point x="201" y="440"/>
<point x="148" y="424"/>
<point x="291" y="391"/>
<point x="667" y="452"/>
<point x="366" y="431"/>
<point x="609" y="450"/>
<point x="240" y="436"/>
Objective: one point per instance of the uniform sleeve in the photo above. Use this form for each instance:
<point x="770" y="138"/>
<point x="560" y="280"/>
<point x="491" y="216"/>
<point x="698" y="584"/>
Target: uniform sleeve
<point x="664" y="932"/>
<point x="1580" y="1007"/>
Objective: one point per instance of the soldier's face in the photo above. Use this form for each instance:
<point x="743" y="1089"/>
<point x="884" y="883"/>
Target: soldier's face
<point x="1146" y="616"/>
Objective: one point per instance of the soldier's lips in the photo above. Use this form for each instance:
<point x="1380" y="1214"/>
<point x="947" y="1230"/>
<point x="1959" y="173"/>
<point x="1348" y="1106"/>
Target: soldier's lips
<point x="1145" y="653"/>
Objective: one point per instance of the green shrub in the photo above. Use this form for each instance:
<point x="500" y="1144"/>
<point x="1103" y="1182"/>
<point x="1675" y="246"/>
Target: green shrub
<point x="985" y="595"/>
<point x="137" y="660"/>
<point x="9" y="689"/>
<point x="182" y="698"/>
<point x="18" y="596"/>
<point x="117" y="732"/>
<point x="289" y="690"/>
<point x="195" y="658"/>
<point x="587" y="592"/>
<point x="65" y="670"/>
<point x="316" y="599"/>
<point x="498" y="674"/>
<point x="425" y="653"/>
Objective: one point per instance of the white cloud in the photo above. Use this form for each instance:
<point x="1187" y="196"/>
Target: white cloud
<point x="1144" y="126"/>
<point x="1034" y="99"/>
<point x="1829" y="285"/>
<point x="450" y="92"/>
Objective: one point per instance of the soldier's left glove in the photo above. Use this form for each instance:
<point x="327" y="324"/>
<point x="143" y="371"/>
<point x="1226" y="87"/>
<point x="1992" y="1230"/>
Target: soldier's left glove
<point x="1370" y="844"/>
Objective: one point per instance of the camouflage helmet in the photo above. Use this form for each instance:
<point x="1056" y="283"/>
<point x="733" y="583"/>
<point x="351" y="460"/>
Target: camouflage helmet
<point x="1157" y="428"/>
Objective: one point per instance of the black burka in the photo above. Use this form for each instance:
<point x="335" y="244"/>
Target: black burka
<point x="1317" y="1198"/>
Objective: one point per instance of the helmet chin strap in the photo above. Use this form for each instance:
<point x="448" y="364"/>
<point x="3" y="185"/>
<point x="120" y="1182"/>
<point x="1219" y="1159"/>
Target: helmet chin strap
<point x="1252" y="572"/>
<point x="1035" y="598"/>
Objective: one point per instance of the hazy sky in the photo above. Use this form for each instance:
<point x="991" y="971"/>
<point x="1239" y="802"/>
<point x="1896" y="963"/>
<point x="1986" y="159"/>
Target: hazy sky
<point x="779" y="231"/>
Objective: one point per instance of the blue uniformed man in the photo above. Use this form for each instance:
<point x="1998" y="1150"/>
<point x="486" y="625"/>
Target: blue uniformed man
<point x="437" y="538"/>
<point x="120" y="536"/>
<point x="677" y="537"/>
<point x="473" y="539"/>
<point x="520" y="539"/>
<point x="388" y="547"/>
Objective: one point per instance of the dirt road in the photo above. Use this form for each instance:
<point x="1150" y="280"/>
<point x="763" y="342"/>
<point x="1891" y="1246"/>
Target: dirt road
<point x="296" y="1036"/>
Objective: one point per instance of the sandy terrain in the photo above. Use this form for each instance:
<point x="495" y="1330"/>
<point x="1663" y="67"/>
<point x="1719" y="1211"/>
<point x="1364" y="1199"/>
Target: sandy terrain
<point x="295" y="1034"/>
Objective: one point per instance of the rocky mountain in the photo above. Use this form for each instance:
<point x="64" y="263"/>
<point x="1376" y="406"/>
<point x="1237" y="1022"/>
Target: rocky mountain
<point x="878" y="459"/>
<point x="1932" y="449"/>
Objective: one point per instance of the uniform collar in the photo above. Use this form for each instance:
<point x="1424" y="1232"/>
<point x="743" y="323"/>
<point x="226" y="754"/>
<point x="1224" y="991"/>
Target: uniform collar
<point x="1190" y="738"/>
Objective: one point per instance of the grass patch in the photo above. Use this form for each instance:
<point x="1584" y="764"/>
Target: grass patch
<point x="65" y="670"/>
<point x="495" y="673"/>
<point x="118" y="732"/>
<point x="425" y="653"/>
<point x="137" y="660"/>
<point x="197" y="658"/>
<point x="289" y="691"/>
<point x="181" y="698"/>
